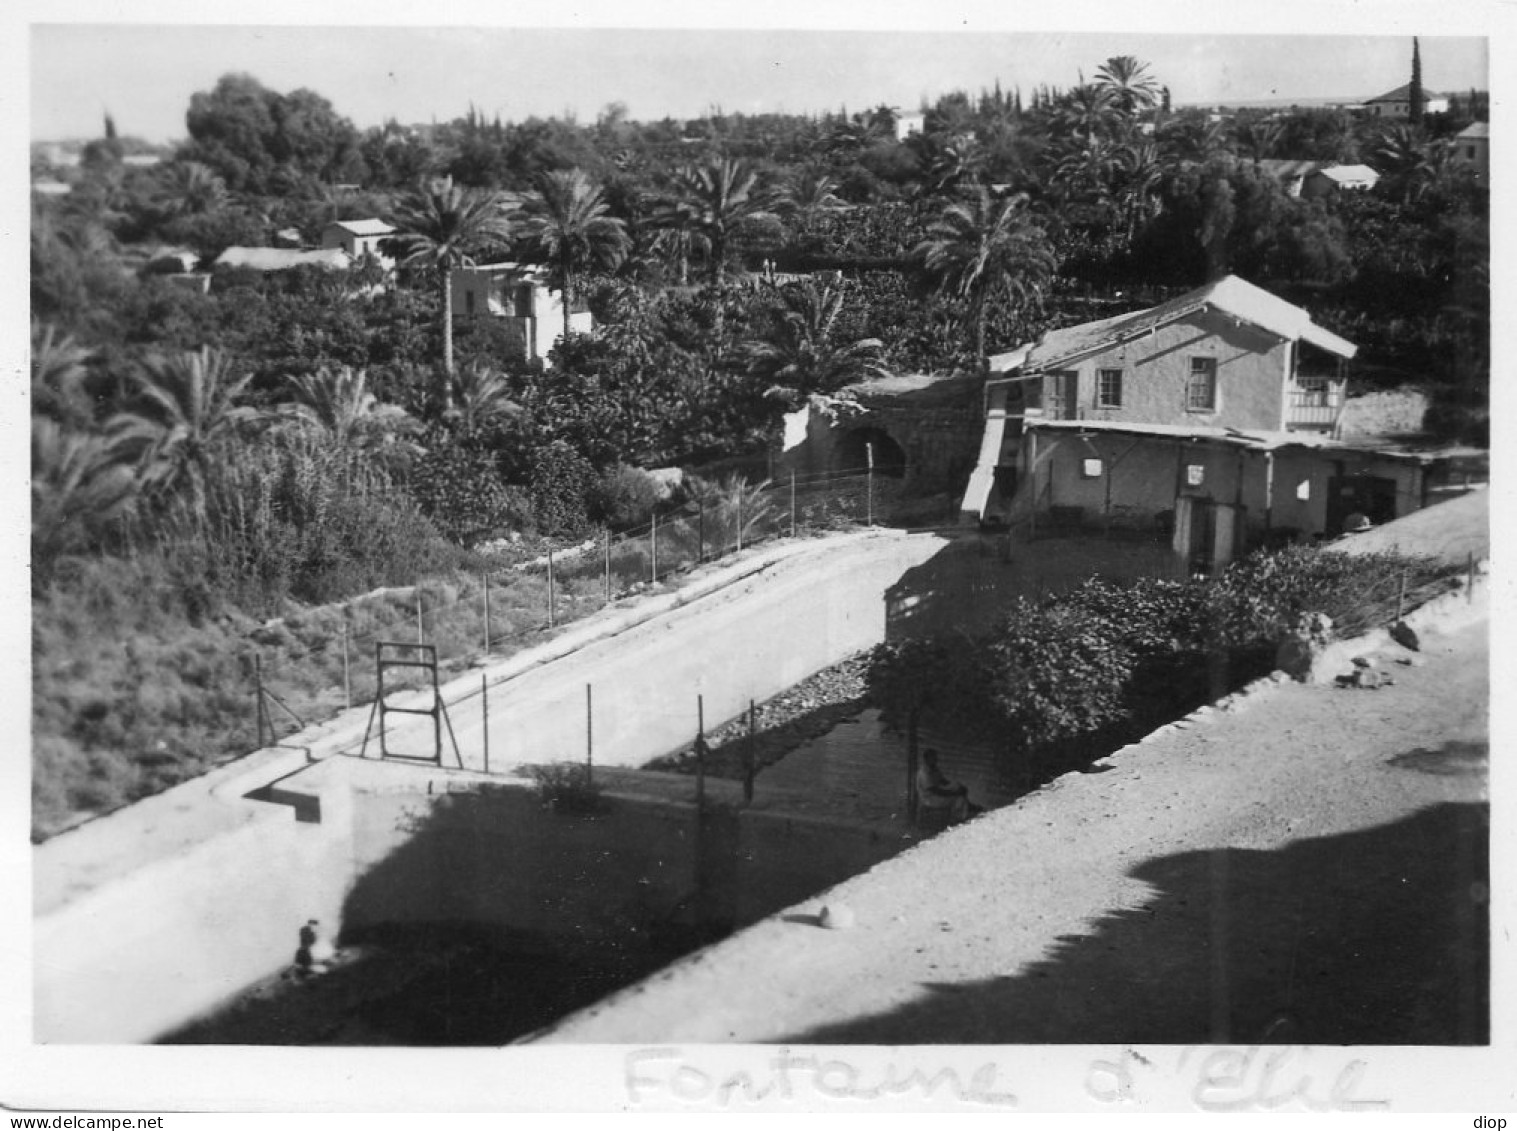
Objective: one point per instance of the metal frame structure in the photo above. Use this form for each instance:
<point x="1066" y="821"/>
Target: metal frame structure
<point x="427" y="660"/>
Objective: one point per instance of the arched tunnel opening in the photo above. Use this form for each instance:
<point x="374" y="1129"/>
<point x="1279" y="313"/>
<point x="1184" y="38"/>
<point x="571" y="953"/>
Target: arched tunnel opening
<point x="854" y="451"/>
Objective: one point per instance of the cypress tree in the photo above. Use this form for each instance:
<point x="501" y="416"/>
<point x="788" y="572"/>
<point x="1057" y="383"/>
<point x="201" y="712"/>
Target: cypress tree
<point x="1414" y="94"/>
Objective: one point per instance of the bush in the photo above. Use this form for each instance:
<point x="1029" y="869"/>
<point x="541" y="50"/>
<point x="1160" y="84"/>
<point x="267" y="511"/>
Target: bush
<point x="461" y="492"/>
<point x="567" y="787"/>
<point x="623" y="497"/>
<point x="1257" y="600"/>
<point x="561" y="480"/>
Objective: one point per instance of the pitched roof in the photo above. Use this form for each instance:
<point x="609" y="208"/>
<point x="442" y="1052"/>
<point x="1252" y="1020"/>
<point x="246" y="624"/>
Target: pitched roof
<point x="1350" y="173"/>
<point x="1230" y="295"/>
<point x="281" y="258"/>
<point x="1476" y="129"/>
<point x="370" y="227"/>
<point x="1284" y="170"/>
<point x="1403" y="93"/>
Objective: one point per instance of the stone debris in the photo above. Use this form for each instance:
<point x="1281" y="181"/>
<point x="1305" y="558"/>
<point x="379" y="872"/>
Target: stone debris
<point x="836" y="917"/>
<point x="1402" y="634"/>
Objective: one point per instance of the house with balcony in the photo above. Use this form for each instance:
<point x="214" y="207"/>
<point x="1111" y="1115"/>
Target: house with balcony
<point x="1225" y="361"/>
<point x="519" y="296"/>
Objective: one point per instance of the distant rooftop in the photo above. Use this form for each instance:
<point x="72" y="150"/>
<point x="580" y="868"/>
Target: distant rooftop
<point x="370" y="227"/>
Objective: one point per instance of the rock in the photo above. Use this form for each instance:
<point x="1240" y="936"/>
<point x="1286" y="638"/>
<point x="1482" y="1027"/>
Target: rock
<point x="836" y="917"/>
<point x="1369" y="679"/>
<point x="1402" y="634"/>
<point x="1411" y="661"/>
<point x="1295" y="657"/>
<point x="1364" y="661"/>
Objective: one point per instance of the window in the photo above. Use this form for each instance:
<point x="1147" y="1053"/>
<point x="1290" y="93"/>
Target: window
<point x="1195" y="474"/>
<point x="1304" y="490"/>
<point x="1201" y="390"/>
<point x="1090" y="468"/>
<point x="469" y="303"/>
<point x="1109" y="388"/>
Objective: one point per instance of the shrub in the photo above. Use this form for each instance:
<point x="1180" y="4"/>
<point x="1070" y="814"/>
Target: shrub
<point x="460" y="491"/>
<point x="561" y="479"/>
<point x="1257" y="600"/>
<point x="623" y="497"/>
<point x="567" y="787"/>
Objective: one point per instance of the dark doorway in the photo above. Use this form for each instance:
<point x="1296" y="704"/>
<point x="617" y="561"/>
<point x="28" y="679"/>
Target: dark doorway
<point x="854" y="450"/>
<point x="1369" y="495"/>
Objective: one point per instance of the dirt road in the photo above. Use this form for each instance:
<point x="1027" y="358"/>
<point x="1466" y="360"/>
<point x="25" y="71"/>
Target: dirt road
<point x="1310" y="866"/>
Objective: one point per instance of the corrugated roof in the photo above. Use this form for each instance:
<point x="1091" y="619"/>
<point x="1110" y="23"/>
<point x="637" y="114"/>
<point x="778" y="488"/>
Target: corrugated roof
<point x="370" y="227"/>
<point x="1230" y="295"/>
<point x="281" y="258"/>
<point x="1253" y="438"/>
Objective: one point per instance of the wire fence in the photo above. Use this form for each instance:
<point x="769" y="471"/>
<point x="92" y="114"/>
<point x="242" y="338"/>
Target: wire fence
<point x="310" y="672"/>
<point x="307" y="669"/>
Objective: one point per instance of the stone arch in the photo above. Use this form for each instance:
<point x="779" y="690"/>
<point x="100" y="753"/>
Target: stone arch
<point x="853" y="452"/>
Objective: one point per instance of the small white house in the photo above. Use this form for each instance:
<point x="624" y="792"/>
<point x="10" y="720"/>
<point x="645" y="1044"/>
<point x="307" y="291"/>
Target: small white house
<point x="1338" y="178"/>
<point x="518" y="294"/>
<point x="908" y="124"/>
<point x="1471" y="147"/>
<point x="359" y="238"/>
<point x="1396" y="105"/>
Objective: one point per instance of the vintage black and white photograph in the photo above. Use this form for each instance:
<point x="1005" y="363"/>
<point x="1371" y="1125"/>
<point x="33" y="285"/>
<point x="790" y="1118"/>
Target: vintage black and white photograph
<point x="733" y="549"/>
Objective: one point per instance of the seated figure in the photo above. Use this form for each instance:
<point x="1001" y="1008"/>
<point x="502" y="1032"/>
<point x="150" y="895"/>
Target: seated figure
<point x="936" y="792"/>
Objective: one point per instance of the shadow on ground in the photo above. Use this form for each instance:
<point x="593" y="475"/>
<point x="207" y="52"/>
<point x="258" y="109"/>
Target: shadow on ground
<point x="1378" y="936"/>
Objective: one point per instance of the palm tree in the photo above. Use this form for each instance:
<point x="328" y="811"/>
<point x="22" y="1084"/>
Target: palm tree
<point x="189" y="188"/>
<point x="184" y="420"/>
<point x="802" y="353"/>
<point x="808" y="195"/>
<point x="715" y="202"/>
<point x="58" y="376"/>
<point x="984" y="248"/>
<point x="79" y="483"/>
<point x="1087" y="110"/>
<point x="481" y="396"/>
<point x="1409" y="162"/>
<point x="442" y="228"/>
<point x="338" y="404"/>
<point x="568" y="224"/>
<point x="1128" y="84"/>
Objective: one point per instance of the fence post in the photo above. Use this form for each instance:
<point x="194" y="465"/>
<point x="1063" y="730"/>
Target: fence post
<point x="700" y="753"/>
<point x="1401" y="596"/>
<point x="487" y="613"/>
<point x="739" y="493"/>
<point x="484" y="710"/>
<point x="700" y="530"/>
<point x="749" y="758"/>
<point x="421" y="632"/>
<point x="552" y="597"/>
<point x="608" y="565"/>
<point x="792" y="502"/>
<point x="347" y="671"/>
<point x="258" y="692"/>
<point x="869" y="485"/>
<point x="589" y="737"/>
<point x="1469" y="589"/>
<point x="653" y="549"/>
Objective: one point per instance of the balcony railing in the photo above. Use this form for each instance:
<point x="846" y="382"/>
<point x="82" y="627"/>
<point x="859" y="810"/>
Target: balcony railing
<point x="1314" y="406"/>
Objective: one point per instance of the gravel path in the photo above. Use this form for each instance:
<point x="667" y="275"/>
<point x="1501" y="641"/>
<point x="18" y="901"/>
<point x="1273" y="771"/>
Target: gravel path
<point x="1309" y="866"/>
